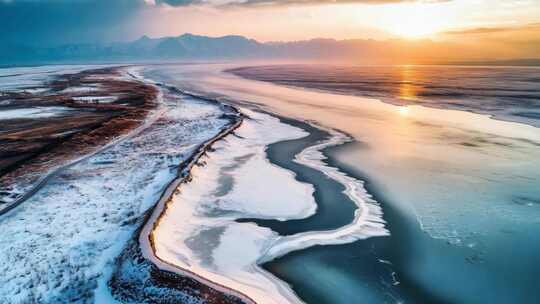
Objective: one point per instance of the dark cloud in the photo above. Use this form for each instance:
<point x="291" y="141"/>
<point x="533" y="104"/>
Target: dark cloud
<point x="35" y="22"/>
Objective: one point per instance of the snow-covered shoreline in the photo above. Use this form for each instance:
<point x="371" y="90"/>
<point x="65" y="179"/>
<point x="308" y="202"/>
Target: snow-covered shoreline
<point x="206" y="202"/>
<point x="79" y="219"/>
<point x="146" y="237"/>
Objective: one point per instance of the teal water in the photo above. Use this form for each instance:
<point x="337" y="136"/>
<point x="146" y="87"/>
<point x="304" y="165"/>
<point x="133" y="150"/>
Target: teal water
<point x="407" y="266"/>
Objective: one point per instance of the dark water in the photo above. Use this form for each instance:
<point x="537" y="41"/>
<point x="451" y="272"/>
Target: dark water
<point x="509" y="93"/>
<point x="328" y="193"/>
<point x="407" y="267"/>
<point x="312" y="272"/>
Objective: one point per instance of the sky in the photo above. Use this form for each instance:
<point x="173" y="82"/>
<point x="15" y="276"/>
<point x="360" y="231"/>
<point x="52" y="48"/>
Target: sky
<point x="513" y="23"/>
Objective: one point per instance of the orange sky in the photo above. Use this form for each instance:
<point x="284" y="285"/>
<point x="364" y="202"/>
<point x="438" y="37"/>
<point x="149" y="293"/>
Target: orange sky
<point x="276" y="20"/>
<point x="480" y="29"/>
<point x="487" y="28"/>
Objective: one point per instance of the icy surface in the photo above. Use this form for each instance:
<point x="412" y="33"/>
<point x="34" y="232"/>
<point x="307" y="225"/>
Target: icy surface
<point x="95" y="99"/>
<point x="28" y="78"/>
<point x="58" y="246"/>
<point x="32" y="113"/>
<point x="462" y="188"/>
<point x="81" y="89"/>
<point x="444" y="168"/>
<point x="199" y="232"/>
<point x="367" y="222"/>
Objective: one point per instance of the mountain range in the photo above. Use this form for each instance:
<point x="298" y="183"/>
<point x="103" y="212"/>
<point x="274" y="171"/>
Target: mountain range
<point x="197" y="47"/>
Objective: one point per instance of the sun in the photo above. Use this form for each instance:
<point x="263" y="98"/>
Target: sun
<point x="415" y="28"/>
<point x="413" y="21"/>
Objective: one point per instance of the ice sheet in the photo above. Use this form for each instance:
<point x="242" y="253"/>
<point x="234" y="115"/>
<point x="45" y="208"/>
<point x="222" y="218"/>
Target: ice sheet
<point x="198" y="231"/>
<point x="442" y="167"/>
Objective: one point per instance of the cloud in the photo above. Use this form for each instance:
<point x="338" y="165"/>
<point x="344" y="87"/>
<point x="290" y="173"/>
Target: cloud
<point x="495" y="30"/>
<point x="518" y="40"/>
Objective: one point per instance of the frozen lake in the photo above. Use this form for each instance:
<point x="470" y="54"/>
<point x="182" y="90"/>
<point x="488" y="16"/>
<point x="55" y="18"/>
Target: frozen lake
<point x="460" y="193"/>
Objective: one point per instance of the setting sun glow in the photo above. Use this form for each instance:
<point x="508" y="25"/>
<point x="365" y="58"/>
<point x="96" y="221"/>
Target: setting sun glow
<point x="414" y="21"/>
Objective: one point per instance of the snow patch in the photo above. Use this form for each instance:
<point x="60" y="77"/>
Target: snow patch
<point x="33" y="113"/>
<point x="95" y="99"/>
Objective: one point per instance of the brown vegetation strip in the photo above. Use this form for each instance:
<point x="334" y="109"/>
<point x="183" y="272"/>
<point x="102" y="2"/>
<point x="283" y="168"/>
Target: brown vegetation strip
<point x="29" y="148"/>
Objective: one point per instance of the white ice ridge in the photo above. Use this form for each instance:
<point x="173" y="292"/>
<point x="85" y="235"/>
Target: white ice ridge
<point x="198" y="232"/>
<point x="368" y="220"/>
